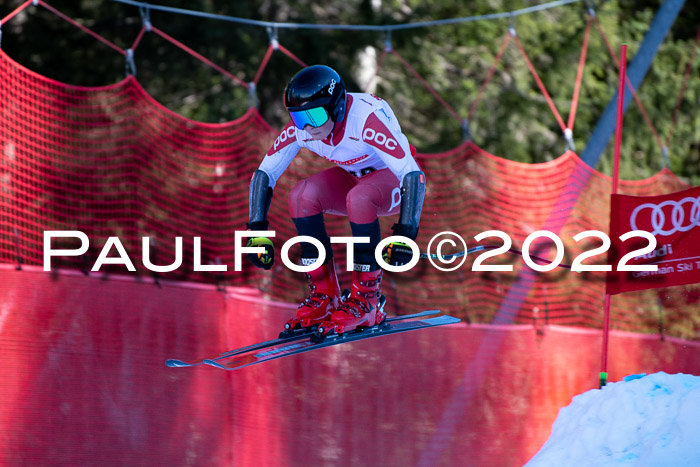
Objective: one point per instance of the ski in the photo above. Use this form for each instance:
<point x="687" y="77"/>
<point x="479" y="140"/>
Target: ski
<point x="174" y="363"/>
<point x="302" y="334"/>
<point x="244" y="359"/>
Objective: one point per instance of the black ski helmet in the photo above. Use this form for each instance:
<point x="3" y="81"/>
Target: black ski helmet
<point x="316" y="86"/>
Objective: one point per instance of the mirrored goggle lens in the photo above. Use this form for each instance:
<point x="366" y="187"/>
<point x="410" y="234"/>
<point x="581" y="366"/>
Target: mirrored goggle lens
<point x="314" y="117"/>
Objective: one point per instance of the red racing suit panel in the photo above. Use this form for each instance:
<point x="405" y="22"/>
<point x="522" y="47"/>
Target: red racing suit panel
<point x="367" y="140"/>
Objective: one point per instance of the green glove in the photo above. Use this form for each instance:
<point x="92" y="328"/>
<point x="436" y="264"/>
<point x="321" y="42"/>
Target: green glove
<point x="263" y="260"/>
<point x="397" y="254"/>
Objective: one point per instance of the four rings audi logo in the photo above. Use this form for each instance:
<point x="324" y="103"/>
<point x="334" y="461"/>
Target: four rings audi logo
<point x="684" y="215"/>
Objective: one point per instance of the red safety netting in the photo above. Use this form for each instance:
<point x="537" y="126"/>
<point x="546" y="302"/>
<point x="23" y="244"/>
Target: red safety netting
<point x="111" y="161"/>
<point x="83" y="382"/>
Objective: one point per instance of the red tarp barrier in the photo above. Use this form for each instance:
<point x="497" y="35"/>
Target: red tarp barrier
<point x="83" y="382"/>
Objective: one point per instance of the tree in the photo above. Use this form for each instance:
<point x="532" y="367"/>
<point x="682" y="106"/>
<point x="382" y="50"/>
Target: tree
<point x="512" y="120"/>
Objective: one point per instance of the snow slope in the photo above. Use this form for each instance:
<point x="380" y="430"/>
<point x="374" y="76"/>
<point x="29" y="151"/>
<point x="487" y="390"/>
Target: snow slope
<point x="649" y="420"/>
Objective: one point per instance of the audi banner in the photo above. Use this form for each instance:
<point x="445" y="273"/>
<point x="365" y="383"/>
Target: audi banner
<point x="674" y="221"/>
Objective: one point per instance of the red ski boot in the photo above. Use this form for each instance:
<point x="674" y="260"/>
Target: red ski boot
<point x="362" y="309"/>
<point x="323" y="298"/>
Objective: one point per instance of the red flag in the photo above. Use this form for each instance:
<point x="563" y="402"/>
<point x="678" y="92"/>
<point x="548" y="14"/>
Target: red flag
<point x="674" y="220"/>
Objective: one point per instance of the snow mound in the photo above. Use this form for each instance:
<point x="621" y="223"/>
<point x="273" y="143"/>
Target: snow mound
<point x="651" y="420"/>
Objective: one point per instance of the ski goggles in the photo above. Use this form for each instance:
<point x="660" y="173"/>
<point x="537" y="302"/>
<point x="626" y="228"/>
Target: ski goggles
<point x="314" y="117"/>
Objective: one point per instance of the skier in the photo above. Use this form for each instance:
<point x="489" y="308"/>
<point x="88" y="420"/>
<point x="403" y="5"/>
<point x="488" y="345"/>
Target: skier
<point x="375" y="175"/>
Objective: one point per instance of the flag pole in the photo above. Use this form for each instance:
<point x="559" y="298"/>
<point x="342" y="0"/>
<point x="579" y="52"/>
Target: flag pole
<point x="616" y="175"/>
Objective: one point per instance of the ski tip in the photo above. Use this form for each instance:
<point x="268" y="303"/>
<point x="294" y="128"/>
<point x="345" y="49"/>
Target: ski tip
<point x="176" y="363"/>
<point x="214" y="364"/>
<point x="450" y="319"/>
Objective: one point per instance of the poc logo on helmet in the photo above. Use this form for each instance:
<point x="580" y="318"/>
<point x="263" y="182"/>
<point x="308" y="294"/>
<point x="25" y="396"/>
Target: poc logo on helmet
<point x="380" y="138"/>
<point x="285" y="135"/>
<point x="331" y="87"/>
